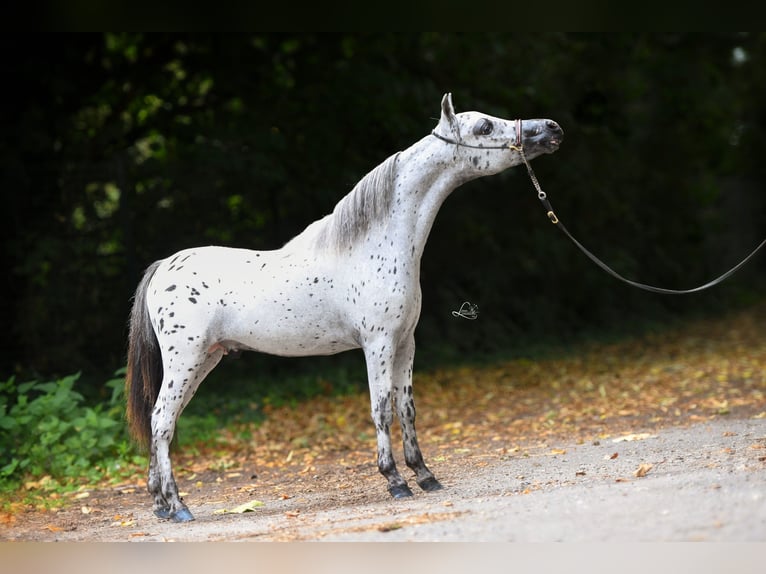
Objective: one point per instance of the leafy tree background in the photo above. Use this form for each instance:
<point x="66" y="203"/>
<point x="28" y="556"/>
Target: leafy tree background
<point x="119" y="149"/>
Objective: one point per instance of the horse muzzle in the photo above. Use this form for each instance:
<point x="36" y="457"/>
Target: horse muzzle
<point x="543" y="136"/>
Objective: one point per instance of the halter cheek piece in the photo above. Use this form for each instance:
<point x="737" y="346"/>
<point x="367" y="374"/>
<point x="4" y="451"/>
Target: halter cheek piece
<point x="516" y="147"/>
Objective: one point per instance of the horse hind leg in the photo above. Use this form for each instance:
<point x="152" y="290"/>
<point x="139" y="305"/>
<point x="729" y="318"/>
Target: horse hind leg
<point x="179" y="384"/>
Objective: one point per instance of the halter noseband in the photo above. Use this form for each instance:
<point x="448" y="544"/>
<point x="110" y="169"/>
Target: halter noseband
<point x="517" y="146"/>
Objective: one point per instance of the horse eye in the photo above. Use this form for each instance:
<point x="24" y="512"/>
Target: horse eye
<point x="483" y="128"/>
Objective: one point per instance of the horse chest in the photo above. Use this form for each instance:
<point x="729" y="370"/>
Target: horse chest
<point x="383" y="296"/>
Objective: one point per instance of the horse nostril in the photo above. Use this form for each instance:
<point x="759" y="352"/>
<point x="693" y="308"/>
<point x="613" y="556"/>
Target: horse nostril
<point x="555" y="129"/>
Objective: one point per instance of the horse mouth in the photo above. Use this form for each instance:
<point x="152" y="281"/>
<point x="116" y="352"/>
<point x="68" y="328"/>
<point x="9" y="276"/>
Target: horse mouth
<point x="546" y="136"/>
<point x="548" y="145"/>
<point x="555" y="135"/>
<point x="553" y="141"/>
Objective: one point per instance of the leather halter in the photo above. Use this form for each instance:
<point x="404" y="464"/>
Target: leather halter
<point x="459" y="142"/>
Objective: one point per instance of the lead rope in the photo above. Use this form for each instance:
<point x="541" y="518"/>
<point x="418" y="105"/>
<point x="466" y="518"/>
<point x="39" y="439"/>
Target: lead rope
<point x="542" y="196"/>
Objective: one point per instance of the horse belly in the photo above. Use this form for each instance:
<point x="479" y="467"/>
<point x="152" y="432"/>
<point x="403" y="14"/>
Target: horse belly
<point x="286" y="331"/>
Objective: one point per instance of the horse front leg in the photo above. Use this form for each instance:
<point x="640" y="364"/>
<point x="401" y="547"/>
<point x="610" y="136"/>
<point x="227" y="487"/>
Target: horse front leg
<point x="405" y="409"/>
<point x="380" y="359"/>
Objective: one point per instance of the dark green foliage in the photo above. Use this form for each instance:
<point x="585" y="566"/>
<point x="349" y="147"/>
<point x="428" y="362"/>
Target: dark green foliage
<point x="119" y="149"/>
<point x="46" y="429"/>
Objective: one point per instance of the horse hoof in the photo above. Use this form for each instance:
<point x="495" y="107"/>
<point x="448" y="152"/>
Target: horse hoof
<point x="430" y="484"/>
<point x="402" y="491"/>
<point x="182" y="515"/>
<point x="163" y="513"/>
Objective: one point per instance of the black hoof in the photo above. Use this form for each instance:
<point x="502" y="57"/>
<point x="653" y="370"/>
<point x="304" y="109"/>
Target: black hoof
<point x="402" y="491"/>
<point x="182" y="515"/>
<point x="430" y="484"/>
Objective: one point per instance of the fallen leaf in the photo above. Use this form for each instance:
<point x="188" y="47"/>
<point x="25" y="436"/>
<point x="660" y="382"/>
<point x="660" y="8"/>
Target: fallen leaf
<point x="292" y="513"/>
<point x="241" y="509"/>
<point x="44" y="482"/>
<point x="555" y="451"/>
<point x="389" y="527"/>
<point x="643" y="470"/>
<point x="634" y="437"/>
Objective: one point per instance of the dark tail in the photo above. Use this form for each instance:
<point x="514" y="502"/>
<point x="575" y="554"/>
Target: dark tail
<point x="144" y="373"/>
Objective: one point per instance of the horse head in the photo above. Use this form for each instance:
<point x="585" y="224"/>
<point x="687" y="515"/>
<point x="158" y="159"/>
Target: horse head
<point x="493" y="144"/>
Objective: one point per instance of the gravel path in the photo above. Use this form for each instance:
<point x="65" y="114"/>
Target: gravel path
<point x="705" y="482"/>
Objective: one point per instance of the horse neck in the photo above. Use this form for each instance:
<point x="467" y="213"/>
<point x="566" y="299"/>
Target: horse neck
<point x="426" y="175"/>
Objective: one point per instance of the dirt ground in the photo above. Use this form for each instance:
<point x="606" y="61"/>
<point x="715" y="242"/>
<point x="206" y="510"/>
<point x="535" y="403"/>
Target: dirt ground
<point x="703" y="482"/>
<point x="661" y="438"/>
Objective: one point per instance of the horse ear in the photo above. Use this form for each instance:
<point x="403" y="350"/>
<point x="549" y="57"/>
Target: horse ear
<point x="448" y="120"/>
<point x="448" y="112"/>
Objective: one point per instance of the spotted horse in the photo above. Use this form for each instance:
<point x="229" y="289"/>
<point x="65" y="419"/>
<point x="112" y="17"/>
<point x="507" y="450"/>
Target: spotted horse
<point x="350" y="280"/>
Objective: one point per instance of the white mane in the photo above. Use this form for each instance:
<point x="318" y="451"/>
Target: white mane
<point x="365" y="204"/>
